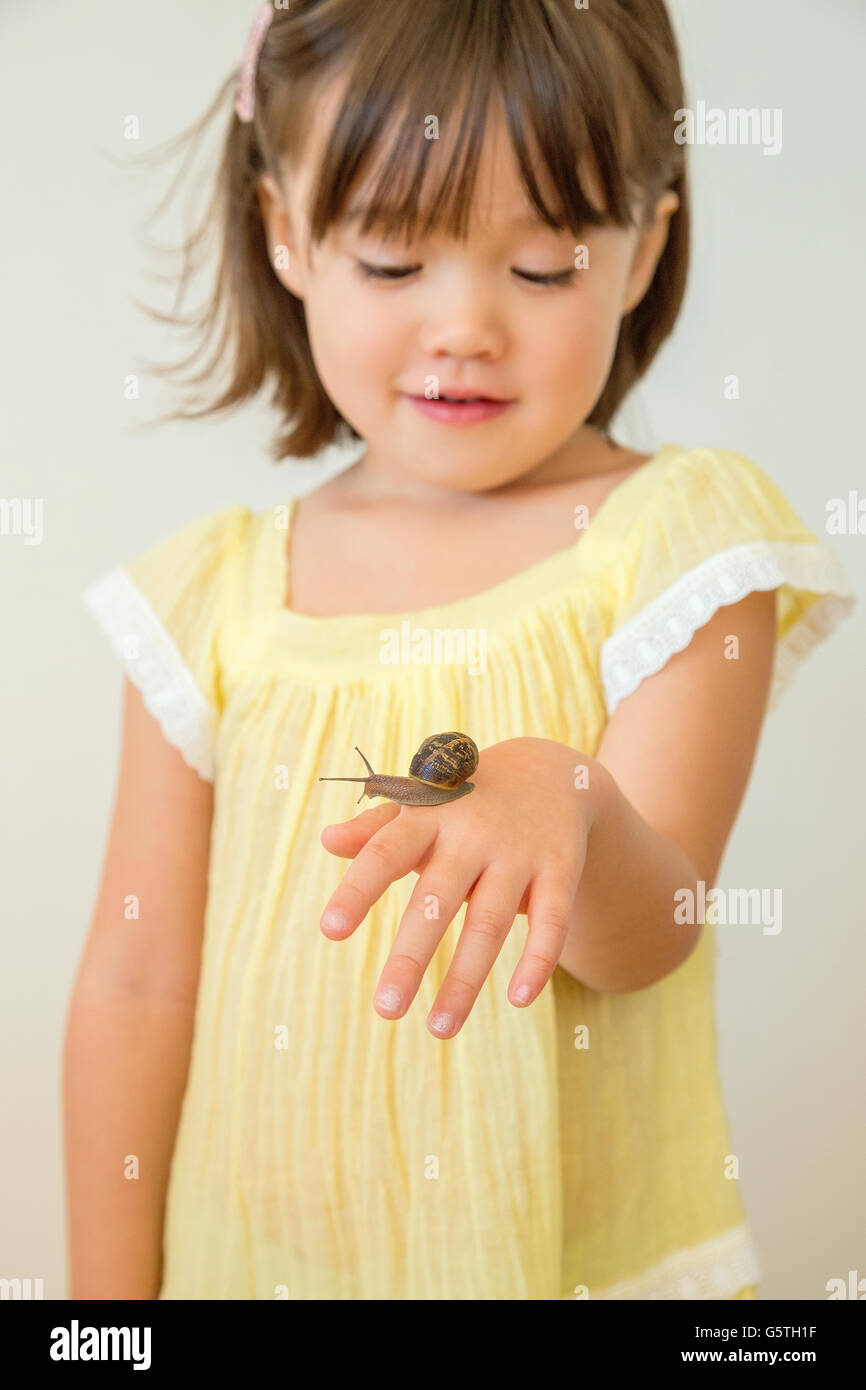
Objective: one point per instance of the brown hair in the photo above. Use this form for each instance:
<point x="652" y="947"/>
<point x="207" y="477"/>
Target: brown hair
<point x="604" y="80"/>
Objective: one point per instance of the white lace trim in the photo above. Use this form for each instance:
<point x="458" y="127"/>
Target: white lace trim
<point x="717" y="1269"/>
<point x="156" y="667"/>
<point x="645" y="643"/>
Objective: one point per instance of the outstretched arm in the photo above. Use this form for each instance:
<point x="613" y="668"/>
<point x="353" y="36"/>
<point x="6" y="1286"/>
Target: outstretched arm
<point x="670" y="774"/>
<point x="594" y="865"/>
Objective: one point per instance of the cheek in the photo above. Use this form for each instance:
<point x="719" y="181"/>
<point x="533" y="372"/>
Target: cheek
<point x="352" y="330"/>
<point x="355" y="345"/>
<point x="573" y="353"/>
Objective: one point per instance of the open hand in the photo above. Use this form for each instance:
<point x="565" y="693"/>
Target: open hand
<point x="515" y="844"/>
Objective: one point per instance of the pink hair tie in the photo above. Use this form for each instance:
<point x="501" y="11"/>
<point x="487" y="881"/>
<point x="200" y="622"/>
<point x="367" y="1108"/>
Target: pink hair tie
<point x="245" y="104"/>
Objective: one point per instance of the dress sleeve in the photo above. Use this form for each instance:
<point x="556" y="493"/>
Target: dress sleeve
<point x="714" y="530"/>
<point x="162" y="613"/>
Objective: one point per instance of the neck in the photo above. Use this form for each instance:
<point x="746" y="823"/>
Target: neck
<point x="376" y="478"/>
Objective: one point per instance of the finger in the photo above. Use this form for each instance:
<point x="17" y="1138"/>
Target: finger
<point x="551" y="905"/>
<point x="437" y="897"/>
<point x="346" y="838"/>
<point x="489" y="918"/>
<point x="387" y="856"/>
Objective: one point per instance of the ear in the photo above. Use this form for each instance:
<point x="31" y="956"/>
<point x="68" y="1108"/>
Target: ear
<point x="280" y="236"/>
<point x="650" y="246"/>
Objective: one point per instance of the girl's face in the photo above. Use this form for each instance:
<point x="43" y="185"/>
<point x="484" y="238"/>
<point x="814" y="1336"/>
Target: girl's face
<point x="463" y="315"/>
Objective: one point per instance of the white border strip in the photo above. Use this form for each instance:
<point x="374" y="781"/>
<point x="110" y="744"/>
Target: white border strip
<point x="719" y="1268"/>
<point x="155" y="666"/>
<point x="645" y="643"/>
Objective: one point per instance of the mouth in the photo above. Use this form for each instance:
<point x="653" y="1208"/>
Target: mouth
<point x="462" y="393"/>
<point x="453" y="409"/>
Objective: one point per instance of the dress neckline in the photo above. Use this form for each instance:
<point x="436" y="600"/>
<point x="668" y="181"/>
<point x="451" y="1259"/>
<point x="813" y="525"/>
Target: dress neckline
<point x="527" y="584"/>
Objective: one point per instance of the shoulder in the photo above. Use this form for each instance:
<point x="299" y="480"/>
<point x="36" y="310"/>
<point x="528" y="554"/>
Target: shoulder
<point x="219" y="529"/>
<point x="733" y="485"/>
<point x="704" y="529"/>
<point x="727" y="477"/>
<point x="195" y="554"/>
<point x="695" y="502"/>
<point x="690" y="472"/>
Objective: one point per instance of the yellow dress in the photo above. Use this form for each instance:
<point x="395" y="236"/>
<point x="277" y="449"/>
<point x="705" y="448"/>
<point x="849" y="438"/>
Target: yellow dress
<point x="324" y="1152"/>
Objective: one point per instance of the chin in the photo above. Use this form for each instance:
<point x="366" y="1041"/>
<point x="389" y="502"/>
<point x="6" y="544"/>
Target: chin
<point x="474" y="478"/>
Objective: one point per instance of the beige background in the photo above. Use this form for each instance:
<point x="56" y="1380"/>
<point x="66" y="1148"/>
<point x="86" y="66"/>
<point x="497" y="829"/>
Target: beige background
<point x="776" y="297"/>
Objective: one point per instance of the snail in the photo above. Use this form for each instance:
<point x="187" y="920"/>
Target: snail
<point x="437" y="773"/>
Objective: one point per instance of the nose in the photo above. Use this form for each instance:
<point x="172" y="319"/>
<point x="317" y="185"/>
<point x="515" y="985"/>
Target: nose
<point x="464" y="321"/>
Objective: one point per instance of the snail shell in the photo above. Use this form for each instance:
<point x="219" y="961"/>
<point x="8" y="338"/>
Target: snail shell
<point x="437" y="773"/>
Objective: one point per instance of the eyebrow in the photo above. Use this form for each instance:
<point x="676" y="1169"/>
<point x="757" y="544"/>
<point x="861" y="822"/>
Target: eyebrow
<point x="519" y="222"/>
<point x="353" y="213"/>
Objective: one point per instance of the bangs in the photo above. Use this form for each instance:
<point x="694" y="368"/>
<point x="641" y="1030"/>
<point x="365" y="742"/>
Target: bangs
<point x="547" y="66"/>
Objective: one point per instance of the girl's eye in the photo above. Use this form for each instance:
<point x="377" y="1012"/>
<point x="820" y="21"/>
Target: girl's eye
<point x="387" y="272"/>
<point x="558" y="277"/>
<point x="400" y="272"/>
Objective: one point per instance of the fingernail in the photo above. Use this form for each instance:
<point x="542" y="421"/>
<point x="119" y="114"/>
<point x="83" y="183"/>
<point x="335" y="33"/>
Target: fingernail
<point x="390" y="998"/>
<point x="523" y="995"/>
<point x="442" y="1023"/>
<point x="335" y="919"/>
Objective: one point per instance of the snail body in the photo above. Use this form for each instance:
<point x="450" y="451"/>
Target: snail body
<point x="437" y="773"/>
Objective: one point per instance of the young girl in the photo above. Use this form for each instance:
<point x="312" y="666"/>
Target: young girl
<point x="464" y="1049"/>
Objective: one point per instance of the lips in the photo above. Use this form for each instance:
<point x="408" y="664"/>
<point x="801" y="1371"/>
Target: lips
<point x="463" y="411"/>
<point x="462" y="393"/>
